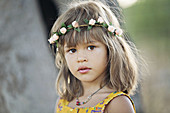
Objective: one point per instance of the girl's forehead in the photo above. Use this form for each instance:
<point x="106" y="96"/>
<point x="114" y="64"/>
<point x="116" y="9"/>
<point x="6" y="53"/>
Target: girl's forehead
<point x="92" y="41"/>
<point x="75" y="38"/>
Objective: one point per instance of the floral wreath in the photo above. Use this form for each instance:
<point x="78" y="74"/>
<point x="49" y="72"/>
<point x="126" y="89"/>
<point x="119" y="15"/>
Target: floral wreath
<point x="89" y="23"/>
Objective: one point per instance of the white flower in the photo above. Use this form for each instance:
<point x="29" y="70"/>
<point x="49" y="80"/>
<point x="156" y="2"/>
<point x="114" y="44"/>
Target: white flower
<point x="75" y="24"/>
<point x="63" y="30"/>
<point x="100" y="20"/>
<point x="92" y="22"/>
<point x="119" y="31"/>
<point x="53" y="39"/>
<point x="111" y="29"/>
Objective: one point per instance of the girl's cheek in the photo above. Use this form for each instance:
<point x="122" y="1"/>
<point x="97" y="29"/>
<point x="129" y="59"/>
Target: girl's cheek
<point x="66" y="57"/>
<point x="69" y="57"/>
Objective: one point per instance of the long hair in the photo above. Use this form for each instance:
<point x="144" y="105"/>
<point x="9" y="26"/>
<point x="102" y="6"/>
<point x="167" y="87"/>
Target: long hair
<point x="122" y="68"/>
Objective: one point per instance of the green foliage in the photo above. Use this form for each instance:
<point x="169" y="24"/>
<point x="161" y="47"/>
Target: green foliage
<point x="70" y="26"/>
<point x="86" y="21"/>
<point x="89" y="27"/>
<point x="77" y="29"/>
<point x="149" y="17"/>
<point x="148" y="22"/>
<point x="63" y="25"/>
<point x="105" y="25"/>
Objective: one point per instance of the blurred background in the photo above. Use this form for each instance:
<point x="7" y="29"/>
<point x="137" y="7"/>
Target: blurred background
<point x="27" y="69"/>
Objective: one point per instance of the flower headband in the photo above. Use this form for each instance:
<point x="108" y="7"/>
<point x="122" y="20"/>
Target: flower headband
<point x="89" y="23"/>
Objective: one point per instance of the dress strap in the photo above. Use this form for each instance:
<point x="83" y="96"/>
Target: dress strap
<point x="110" y="97"/>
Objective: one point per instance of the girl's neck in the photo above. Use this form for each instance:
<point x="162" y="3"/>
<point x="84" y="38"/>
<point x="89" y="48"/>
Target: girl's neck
<point x="90" y="88"/>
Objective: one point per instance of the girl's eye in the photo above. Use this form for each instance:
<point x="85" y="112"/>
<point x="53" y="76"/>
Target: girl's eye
<point x="72" y="50"/>
<point x="90" y="47"/>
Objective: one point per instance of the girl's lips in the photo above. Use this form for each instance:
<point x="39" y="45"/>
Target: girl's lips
<point x="83" y="70"/>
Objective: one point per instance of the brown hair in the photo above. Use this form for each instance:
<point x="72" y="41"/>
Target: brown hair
<point x="122" y="70"/>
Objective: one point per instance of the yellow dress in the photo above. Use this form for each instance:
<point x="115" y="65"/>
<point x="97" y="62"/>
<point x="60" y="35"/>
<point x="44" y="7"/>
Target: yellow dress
<point x="63" y="107"/>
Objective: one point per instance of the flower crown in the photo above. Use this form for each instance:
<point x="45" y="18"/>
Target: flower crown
<point x="89" y="23"/>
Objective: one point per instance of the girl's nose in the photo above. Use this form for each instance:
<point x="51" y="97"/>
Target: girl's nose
<point x="81" y="57"/>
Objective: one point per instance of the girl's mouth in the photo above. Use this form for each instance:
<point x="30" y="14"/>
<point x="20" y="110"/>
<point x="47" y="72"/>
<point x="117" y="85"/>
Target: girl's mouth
<point x="83" y="69"/>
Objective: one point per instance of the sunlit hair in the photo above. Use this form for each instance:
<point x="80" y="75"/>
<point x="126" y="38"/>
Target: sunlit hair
<point x="122" y="70"/>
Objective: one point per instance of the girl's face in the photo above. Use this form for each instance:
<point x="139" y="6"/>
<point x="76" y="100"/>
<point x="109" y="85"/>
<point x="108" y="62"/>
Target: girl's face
<point x="87" y="61"/>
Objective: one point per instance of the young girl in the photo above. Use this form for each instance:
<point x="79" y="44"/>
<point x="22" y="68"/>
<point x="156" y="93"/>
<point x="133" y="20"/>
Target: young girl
<point x="98" y="66"/>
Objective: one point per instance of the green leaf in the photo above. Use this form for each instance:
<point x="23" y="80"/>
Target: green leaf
<point x="105" y="25"/>
<point x="110" y="33"/>
<point x="70" y="26"/>
<point x="63" y="25"/>
<point x="56" y="41"/>
<point x="56" y="44"/>
<point x="59" y="33"/>
<point x="86" y="21"/>
<point x="56" y="33"/>
<point x="77" y="29"/>
<point x="89" y="27"/>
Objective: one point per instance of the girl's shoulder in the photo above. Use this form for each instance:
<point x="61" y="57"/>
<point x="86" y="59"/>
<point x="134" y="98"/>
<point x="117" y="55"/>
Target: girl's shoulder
<point x="115" y="102"/>
<point x="119" y="102"/>
<point x="63" y="101"/>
